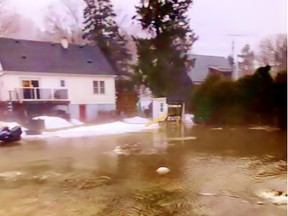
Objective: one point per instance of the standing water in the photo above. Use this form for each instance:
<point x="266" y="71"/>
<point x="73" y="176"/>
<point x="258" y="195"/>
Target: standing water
<point x="211" y="172"/>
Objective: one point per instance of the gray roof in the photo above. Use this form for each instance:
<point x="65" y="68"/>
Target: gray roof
<point x="35" y="56"/>
<point x="202" y="64"/>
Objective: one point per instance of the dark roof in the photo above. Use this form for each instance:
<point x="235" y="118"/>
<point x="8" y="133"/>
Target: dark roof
<point x="202" y="64"/>
<point x="220" y="69"/>
<point x="35" y="56"/>
<point x="177" y="97"/>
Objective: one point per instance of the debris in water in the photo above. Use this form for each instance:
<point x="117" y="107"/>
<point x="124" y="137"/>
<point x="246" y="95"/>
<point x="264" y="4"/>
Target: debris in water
<point x="88" y="183"/>
<point x="119" y="151"/>
<point x="127" y="149"/>
<point x="280" y="200"/>
<point x="105" y="177"/>
<point x="46" y="175"/>
<point x="265" y="128"/>
<point x="162" y="170"/>
<point x="181" y="138"/>
<point x="219" y="128"/>
<point x="10" y="174"/>
<point x="208" y="194"/>
<point x="276" y="197"/>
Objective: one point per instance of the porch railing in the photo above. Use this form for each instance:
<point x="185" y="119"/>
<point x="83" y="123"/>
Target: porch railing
<point x="41" y="94"/>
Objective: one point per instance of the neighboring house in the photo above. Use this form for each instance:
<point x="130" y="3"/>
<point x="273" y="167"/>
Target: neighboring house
<point x="202" y="67"/>
<point x="205" y="65"/>
<point x="42" y="77"/>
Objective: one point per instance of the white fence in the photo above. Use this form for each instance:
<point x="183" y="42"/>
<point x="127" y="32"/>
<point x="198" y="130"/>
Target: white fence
<point x="40" y="94"/>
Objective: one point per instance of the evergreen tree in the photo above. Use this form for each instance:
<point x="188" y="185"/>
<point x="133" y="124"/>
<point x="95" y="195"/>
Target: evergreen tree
<point x="163" y="60"/>
<point x="101" y="29"/>
<point x="251" y="99"/>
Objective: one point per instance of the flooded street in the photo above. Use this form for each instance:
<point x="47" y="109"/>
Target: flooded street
<point x="212" y="172"/>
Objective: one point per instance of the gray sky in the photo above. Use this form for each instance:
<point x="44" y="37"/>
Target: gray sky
<point x="212" y="20"/>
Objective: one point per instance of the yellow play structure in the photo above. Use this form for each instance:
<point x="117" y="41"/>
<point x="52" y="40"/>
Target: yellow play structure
<point x="174" y="114"/>
<point x="159" y="119"/>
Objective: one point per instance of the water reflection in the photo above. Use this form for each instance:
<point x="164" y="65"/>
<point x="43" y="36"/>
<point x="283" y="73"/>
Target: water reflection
<point x="232" y="164"/>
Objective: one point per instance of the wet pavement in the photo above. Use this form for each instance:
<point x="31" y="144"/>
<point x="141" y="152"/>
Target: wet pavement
<point x="212" y="172"/>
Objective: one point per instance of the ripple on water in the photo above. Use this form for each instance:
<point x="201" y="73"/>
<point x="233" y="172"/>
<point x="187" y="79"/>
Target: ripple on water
<point x="216" y="174"/>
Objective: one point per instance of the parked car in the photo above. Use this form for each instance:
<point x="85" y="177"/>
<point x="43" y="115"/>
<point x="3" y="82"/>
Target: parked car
<point x="9" y="135"/>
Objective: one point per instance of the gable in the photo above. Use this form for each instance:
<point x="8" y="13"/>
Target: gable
<point x="46" y="57"/>
<point x="202" y="64"/>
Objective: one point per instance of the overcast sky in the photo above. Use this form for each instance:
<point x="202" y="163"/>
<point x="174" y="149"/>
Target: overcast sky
<point x="214" y="21"/>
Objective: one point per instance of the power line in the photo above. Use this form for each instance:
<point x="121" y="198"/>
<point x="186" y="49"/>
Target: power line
<point x="236" y="66"/>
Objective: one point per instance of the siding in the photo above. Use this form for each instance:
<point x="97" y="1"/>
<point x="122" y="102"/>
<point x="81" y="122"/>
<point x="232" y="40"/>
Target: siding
<point x="156" y="106"/>
<point x="92" y="110"/>
<point x="80" y="87"/>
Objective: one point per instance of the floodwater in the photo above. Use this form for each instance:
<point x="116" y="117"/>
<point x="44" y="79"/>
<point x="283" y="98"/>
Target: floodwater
<point x="218" y="173"/>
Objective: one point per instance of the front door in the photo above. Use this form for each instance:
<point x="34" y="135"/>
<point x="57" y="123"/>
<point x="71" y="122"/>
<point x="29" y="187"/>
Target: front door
<point x="82" y="112"/>
<point x="35" y="84"/>
<point x="29" y="91"/>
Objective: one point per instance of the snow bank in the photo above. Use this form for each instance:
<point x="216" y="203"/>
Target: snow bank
<point x="136" y="120"/>
<point x="56" y="122"/>
<point x="53" y="122"/>
<point x="49" y="123"/>
<point x="94" y="130"/>
<point x="76" y="122"/>
<point x="110" y="128"/>
<point x="135" y="124"/>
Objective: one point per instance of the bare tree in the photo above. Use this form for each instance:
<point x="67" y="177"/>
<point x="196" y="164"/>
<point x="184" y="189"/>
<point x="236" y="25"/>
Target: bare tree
<point x="9" y="22"/>
<point x="273" y="52"/>
<point x="65" y="21"/>
<point x="246" y="61"/>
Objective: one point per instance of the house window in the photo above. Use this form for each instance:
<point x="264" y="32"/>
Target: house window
<point x="62" y="83"/>
<point x="99" y="87"/>
<point x="161" y="107"/>
<point x="30" y="89"/>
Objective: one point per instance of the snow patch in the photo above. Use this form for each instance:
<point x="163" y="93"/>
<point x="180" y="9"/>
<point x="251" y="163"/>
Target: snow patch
<point x="136" y="120"/>
<point x="109" y="128"/>
<point x="56" y="122"/>
<point x="135" y="124"/>
<point x="76" y="122"/>
<point x="53" y="122"/>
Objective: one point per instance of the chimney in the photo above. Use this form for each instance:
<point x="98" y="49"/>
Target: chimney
<point x="64" y="43"/>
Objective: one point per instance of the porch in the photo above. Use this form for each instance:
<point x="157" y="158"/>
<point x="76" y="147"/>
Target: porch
<point x="33" y="94"/>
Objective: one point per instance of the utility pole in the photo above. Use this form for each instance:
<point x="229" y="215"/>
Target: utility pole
<point x="235" y="55"/>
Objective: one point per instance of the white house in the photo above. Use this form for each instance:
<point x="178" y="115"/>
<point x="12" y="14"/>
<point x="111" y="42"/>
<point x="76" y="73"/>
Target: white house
<point x="43" y="76"/>
<point x="159" y="107"/>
